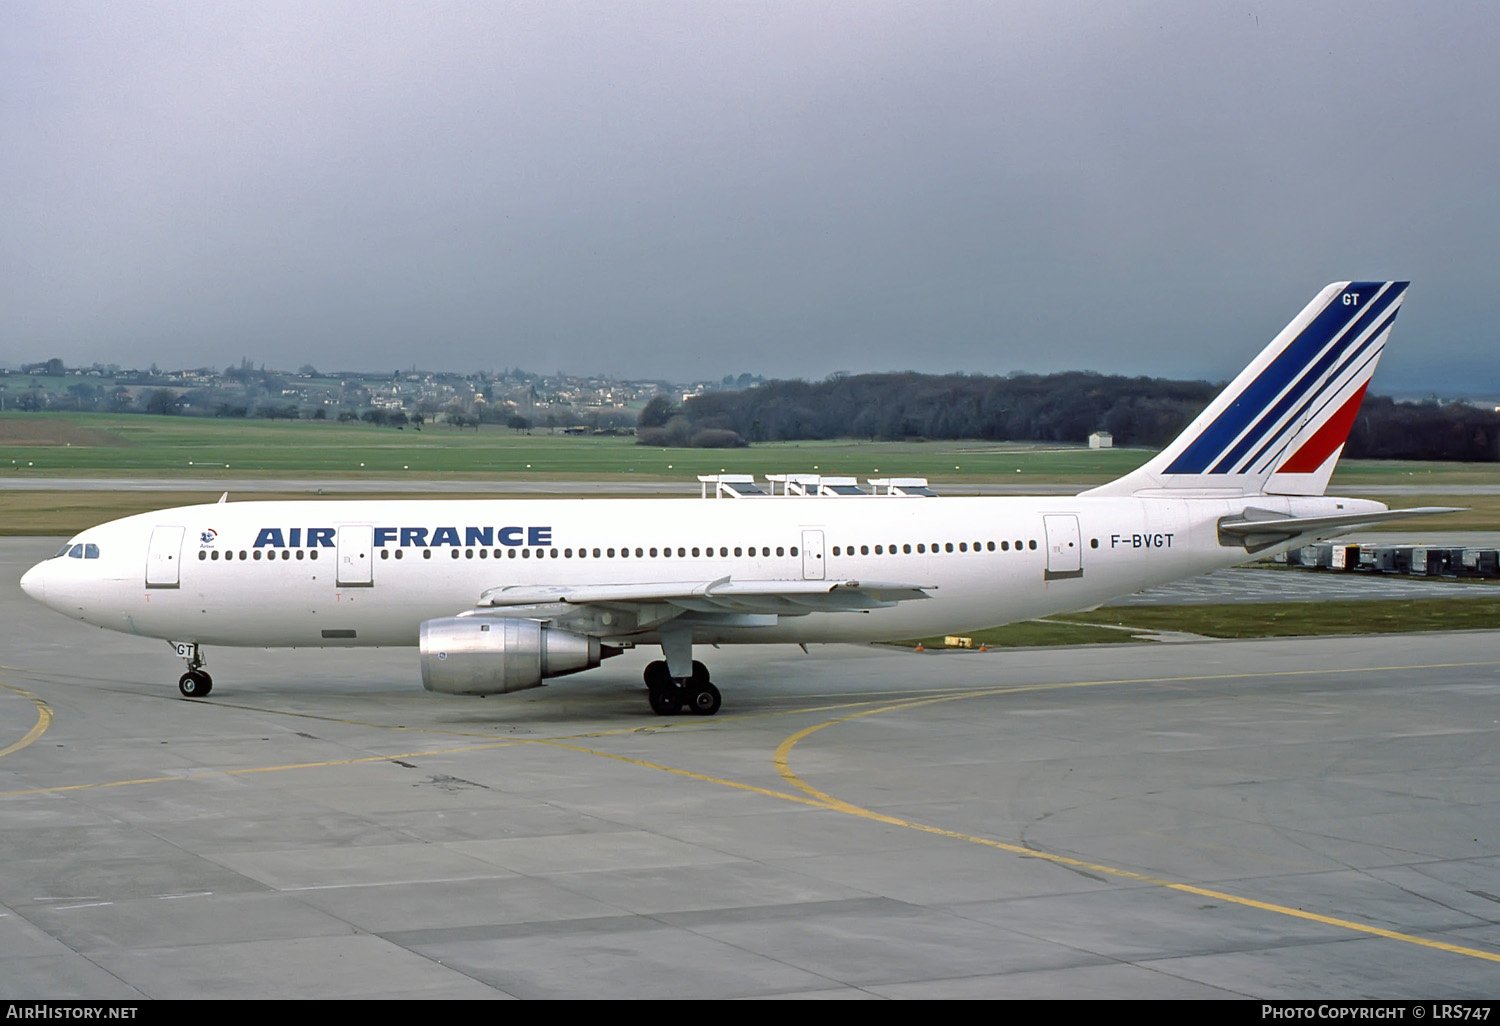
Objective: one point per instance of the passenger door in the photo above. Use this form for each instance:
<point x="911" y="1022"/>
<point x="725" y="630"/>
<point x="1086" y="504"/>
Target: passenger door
<point x="356" y="549"/>
<point x="812" y="556"/>
<point x="1064" y="546"/>
<point x="163" y="556"/>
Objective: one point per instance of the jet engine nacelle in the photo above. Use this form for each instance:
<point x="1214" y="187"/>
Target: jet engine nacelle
<point x="487" y="655"/>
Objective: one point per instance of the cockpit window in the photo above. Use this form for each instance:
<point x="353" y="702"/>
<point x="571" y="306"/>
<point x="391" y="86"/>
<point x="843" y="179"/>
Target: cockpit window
<point x="78" y="550"/>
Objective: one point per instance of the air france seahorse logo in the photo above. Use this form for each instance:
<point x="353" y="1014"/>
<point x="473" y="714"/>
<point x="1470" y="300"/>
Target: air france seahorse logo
<point x="207" y="537"/>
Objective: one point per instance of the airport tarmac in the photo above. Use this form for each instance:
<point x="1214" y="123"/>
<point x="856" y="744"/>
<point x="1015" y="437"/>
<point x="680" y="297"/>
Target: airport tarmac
<point x="1283" y="819"/>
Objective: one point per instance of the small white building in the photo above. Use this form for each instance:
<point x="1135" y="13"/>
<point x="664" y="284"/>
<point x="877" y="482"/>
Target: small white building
<point x="1101" y="440"/>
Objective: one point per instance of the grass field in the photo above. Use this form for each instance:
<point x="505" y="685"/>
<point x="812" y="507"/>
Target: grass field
<point x="41" y="446"/>
<point x="52" y="444"/>
<point x="63" y="445"/>
<point x="1245" y="620"/>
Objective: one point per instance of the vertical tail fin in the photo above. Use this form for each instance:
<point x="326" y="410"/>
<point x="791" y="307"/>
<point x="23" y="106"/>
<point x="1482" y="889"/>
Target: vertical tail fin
<point x="1280" y="426"/>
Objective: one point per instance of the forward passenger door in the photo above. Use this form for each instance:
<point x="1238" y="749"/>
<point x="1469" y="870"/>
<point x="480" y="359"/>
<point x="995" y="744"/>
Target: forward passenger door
<point x="163" y="557"/>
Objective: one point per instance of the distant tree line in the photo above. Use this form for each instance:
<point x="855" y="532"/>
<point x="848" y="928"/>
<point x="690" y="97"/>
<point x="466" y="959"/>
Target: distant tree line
<point x="1064" y="407"/>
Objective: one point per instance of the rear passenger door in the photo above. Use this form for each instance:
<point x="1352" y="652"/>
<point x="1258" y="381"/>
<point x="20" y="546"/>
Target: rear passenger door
<point x="1064" y="546"/>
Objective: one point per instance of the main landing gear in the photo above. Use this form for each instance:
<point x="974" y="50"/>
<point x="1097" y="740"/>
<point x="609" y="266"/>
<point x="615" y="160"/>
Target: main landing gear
<point x="670" y="695"/>
<point x="196" y="683"/>
<point x="679" y="681"/>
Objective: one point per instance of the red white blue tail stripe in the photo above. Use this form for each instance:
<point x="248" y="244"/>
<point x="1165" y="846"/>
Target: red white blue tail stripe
<point x="1280" y="426"/>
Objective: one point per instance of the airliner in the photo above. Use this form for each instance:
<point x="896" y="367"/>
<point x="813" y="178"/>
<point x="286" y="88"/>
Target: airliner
<point x="501" y="595"/>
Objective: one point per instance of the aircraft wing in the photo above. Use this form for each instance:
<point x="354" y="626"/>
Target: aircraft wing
<point x="724" y="595"/>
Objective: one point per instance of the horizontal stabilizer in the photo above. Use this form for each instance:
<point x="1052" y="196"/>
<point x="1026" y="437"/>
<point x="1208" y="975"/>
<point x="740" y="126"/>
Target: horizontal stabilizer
<point x="1258" y="529"/>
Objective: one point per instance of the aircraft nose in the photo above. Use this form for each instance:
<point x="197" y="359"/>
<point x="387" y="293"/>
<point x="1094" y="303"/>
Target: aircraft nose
<point x="33" y="583"/>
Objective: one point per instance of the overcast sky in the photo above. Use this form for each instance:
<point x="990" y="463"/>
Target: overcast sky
<point x="702" y="188"/>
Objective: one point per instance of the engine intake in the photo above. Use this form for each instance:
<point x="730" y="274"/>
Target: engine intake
<point x="485" y="655"/>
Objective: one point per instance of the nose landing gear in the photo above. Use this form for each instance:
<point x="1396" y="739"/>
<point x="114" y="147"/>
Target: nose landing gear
<point x="196" y="683"/>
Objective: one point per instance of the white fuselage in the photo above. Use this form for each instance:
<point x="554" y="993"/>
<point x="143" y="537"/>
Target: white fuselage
<point x="347" y="573"/>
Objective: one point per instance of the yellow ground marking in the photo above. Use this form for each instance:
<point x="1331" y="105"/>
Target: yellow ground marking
<point x="783" y="753"/>
<point x="248" y="770"/>
<point x="43" y="720"/>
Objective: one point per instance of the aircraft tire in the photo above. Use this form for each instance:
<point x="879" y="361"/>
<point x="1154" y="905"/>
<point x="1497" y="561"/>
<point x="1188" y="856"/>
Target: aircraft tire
<point x="656" y="675"/>
<point x="704" y="699"/>
<point x="666" y="701"/>
<point x="195" y="684"/>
